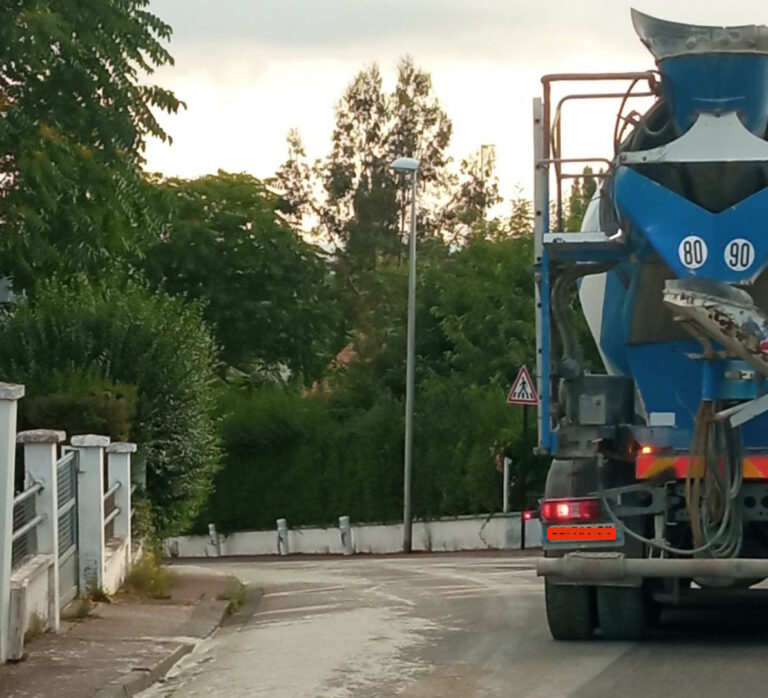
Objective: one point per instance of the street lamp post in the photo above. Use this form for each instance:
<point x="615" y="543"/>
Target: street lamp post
<point x="409" y="165"/>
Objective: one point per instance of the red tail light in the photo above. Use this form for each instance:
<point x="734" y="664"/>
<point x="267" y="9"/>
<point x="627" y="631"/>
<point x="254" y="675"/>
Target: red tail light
<point x="584" y="510"/>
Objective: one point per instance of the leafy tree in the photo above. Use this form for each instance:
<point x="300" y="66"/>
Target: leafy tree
<point x="353" y="197"/>
<point x="482" y="299"/>
<point x="364" y="197"/>
<point x="475" y="193"/>
<point x="582" y="192"/>
<point x="521" y="218"/>
<point x="75" y="117"/>
<point x="77" y="341"/>
<point x="354" y="200"/>
<point x="336" y="451"/>
<point x="265" y="290"/>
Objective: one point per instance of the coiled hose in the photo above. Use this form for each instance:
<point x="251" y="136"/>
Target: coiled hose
<point x="712" y="484"/>
<point x="711" y="488"/>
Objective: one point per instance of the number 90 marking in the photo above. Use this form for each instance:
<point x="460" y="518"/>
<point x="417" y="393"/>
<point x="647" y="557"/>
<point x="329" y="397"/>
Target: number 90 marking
<point x="692" y="252"/>
<point x="739" y="254"/>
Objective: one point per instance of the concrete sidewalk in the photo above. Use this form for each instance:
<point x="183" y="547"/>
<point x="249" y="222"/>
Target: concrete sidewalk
<point x="122" y="647"/>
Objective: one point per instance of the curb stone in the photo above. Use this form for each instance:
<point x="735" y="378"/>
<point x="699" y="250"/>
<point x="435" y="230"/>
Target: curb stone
<point x="142" y="679"/>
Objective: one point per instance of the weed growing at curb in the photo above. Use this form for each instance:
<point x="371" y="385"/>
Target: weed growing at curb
<point x="97" y="594"/>
<point x="149" y="578"/>
<point x="234" y="595"/>
<point x="83" y="608"/>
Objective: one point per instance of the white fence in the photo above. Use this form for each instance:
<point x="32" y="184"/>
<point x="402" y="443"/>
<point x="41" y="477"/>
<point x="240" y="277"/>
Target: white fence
<point x="55" y="539"/>
<point x="490" y="532"/>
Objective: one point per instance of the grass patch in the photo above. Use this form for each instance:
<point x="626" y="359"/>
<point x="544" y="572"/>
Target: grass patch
<point x="97" y="594"/>
<point x="83" y="608"/>
<point x="150" y="579"/>
<point x="79" y="609"/>
<point x="234" y="595"/>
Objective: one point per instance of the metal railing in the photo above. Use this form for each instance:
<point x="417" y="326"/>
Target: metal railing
<point x="552" y="151"/>
<point x="111" y="511"/>
<point x="25" y="523"/>
<point x="66" y="475"/>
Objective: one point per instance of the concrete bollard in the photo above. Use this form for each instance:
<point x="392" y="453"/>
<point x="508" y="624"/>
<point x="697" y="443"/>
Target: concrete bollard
<point x="282" y="537"/>
<point x="346" y="535"/>
<point x="213" y="537"/>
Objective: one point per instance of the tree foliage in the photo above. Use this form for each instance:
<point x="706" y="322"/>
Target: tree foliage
<point x="582" y="191"/>
<point x="355" y="199"/>
<point x="76" y="114"/>
<point x="130" y="337"/>
<point x="339" y="450"/>
<point x="265" y="290"/>
<point x="225" y="257"/>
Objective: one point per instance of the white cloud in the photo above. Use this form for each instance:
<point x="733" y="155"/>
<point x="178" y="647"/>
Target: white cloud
<point x="249" y="70"/>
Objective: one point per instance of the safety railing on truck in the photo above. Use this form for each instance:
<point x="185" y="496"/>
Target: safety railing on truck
<point x="552" y="244"/>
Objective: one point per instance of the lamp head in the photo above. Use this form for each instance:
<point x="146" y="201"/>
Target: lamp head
<point x="405" y="165"/>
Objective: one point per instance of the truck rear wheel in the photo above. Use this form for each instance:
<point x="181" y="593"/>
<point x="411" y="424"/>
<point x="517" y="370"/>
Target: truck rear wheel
<point x="622" y="612"/>
<point x="570" y="611"/>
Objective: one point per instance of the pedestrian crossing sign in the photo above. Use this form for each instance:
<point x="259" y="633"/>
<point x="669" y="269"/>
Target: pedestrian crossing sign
<point x="523" y="391"/>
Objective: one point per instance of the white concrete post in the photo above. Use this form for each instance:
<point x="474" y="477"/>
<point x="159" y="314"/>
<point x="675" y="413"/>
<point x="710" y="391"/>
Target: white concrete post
<point x="90" y="509"/>
<point x="282" y="537"/>
<point x="9" y="395"/>
<point x="40" y="458"/>
<point x="346" y="535"/>
<point x="119" y="469"/>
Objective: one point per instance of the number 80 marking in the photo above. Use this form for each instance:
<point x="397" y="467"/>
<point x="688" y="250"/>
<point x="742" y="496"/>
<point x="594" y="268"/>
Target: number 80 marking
<point x="692" y="252"/>
<point x="739" y="254"/>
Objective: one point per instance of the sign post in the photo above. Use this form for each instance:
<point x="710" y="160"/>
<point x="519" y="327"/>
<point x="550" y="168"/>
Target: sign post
<point x="505" y="491"/>
<point x="523" y="393"/>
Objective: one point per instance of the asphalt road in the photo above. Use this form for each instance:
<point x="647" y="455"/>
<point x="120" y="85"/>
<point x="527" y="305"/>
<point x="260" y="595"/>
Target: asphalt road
<point x="450" y="627"/>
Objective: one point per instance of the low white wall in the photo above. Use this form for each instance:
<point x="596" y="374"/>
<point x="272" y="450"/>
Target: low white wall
<point x="533" y="533"/>
<point x="495" y="532"/>
<point x="116" y="564"/>
<point x="36" y="576"/>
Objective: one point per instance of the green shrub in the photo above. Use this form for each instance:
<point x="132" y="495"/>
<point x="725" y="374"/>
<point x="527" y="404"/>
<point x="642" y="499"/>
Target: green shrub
<point x="98" y="594"/>
<point x="235" y="595"/>
<point x="150" y="579"/>
<point x="313" y="458"/>
<point x="82" y="403"/>
<point x="152" y="352"/>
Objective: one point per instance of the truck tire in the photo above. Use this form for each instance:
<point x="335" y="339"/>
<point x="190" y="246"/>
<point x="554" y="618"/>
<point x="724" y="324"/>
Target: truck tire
<point x="570" y="611"/>
<point x="622" y="612"/>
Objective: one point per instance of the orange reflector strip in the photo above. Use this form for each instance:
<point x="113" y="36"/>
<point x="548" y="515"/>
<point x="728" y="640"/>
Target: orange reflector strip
<point x="581" y="533"/>
<point x="649" y="466"/>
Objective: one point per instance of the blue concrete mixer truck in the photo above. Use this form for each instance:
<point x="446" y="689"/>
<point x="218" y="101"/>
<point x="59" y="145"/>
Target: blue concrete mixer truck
<point x="657" y="492"/>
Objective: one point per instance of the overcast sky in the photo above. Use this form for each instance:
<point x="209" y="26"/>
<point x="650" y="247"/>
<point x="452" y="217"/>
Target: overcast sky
<point x="251" y="69"/>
